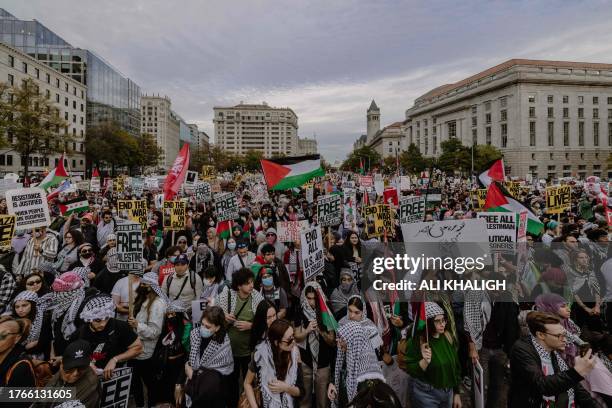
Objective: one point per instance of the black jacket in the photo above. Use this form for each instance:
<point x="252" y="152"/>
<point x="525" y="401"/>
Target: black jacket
<point x="528" y="383"/>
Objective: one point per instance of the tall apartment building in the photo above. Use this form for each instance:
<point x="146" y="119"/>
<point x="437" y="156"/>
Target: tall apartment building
<point x="549" y="118"/>
<point x="111" y="96"/>
<point x="159" y="120"/>
<point x="307" y="146"/>
<point x="66" y="93"/>
<point x="244" y="127"/>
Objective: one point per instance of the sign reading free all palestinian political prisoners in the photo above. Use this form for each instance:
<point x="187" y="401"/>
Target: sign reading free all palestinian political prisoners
<point x="29" y="206"/>
<point x="558" y="199"/>
<point x="7" y="230"/>
<point x="129" y="247"/>
<point x="134" y="210"/>
<point x="289" y="231"/>
<point x="116" y="390"/>
<point x="501" y="228"/>
<point x="203" y="192"/>
<point x="411" y="209"/>
<point x="313" y="261"/>
<point x="226" y="206"/>
<point x="329" y="210"/>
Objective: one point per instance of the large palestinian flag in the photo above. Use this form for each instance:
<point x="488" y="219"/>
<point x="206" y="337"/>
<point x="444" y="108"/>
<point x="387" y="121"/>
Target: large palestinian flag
<point x="494" y="172"/>
<point x="290" y="172"/>
<point x="55" y="176"/>
<point x="498" y="199"/>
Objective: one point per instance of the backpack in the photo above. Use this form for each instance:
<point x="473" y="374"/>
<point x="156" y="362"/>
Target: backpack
<point x="41" y="371"/>
<point x="192" y="279"/>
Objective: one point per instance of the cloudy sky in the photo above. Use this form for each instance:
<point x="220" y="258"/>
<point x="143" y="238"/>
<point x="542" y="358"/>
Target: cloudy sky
<point x="325" y="59"/>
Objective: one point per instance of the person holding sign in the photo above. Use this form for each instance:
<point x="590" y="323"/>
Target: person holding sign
<point x="42" y="247"/>
<point x="433" y="363"/>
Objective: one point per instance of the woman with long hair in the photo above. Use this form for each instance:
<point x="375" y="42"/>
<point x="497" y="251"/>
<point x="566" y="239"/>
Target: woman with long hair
<point x="34" y="282"/>
<point x="213" y="240"/>
<point x="356" y="311"/>
<point x="68" y="255"/>
<point x="211" y="356"/>
<point x="265" y="315"/>
<point x="230" y="251"/>
<point x="586" y="309"/>
<point x="15" y="369"/>
<point x="149" y="308"/>
<point x="432" y="361"/>
<point x="352" y="248"/>
<point x="27" y="305"/>
<point x="275" y="366"/>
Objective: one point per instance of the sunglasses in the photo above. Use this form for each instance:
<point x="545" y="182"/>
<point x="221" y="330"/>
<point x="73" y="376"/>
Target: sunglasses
<point x="288" y="341"/>
<point x="34" y="282"/>
<point x="270" y="235"/>
<point x="88" y="251"/>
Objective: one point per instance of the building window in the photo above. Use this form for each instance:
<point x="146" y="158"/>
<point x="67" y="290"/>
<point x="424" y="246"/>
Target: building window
<point x="532" y="111"/>
<point x="9" y="160"/>
<point x="551" y="133"/>
<point x="65" y="101"/>
<point x="11" y="61"/>
<point x="503" y="115"/>
<point x="37" y="73"/>
<point x="566" y="112"/>
<point x="488" y="118"/>
<point x="488" y="106"/>
<point x="595" y="113"/>
<point x="488" y="135"/>
<point x="566" y="134"/>
<point x="581" y="113"/>
<point x="595" y="100"/>
<point x="474" y="121"/>
<point x="57" y="97"/>
<point x="66" y="87"/>
<point x="531" y="98"/>
<point x="504" y="134"/>
<point x="550" y="99"/>
<point x="551" y="112"/>
<point x="452" y="129"/>
<point x="11" y="80"/>
<point x="595" y="133"/>
<point x="610" y="134"/>
<point x="24" y="67"/>
<point x="48" y="78"/>
<point x="609" y="100"/>
<point x="580" y="133"/>
<point x="581" y="99"/>
<point x="503" y="102"/>
<point x="565" y="99"/>
<point x="435" y="145"/>
<point x="57" y="82"/>
<point x="532" y="133"/>
<point x="474" y="136"/>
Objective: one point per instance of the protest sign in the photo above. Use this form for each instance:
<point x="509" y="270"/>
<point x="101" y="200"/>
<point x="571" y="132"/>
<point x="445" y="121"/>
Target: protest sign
<point x="432" y="195"/>
<point x="30" y="207"/>
<point x="94" y="185"/>
<point x="350" y="209"/>
<point x="83" y="185"/>
<point x="134" y="210"/>
<point x="514" y="188"/>
<point x="9" y="184"/>
<point x="259" y="193"/>
<point x="208" y="172"/>
<point x="310" y="194"/>
<point x="390" y="196"/>
<point x="473" y="230"/>
<point x="202" y="191"/>
<point x="313" y="261"/>
<point x="151" y="183"/>
<point x="289" y="231"/>
<point x="558" y="199"/>
<point x="501" y="229"/>
<point x="197" y="309"/>
<point x="521" y="231"/>
<point x="378" y="220"/>
<point x="226" y="206"/>
<point x="129" y="247"/>
<point x="329" y="210"/>
<point x="159" y="201"/>
<point x="215" y="186"/>
<point x="116" y="390"/>
<point x="366" y="181"/>
<point x="411" y="209"/>
<point x="190" y="179"/>
<point x="481" y="198"/>
<point x="137" y="186"/>
<point x="379" y="184"/>
<point x="118" y="185"/>
<point x="174" y="215"/>
<point x="7" y="230"/>
<point x="404" y="183"/>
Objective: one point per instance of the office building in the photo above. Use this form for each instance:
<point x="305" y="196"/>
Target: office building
<point x="159" y="120"/>
<point x="307" y="146"/>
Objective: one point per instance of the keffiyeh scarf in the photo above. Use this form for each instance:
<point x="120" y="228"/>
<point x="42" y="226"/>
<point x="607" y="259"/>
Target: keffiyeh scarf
<point x="68" y="303"/>
<point x="267" y="372"/>
<point x="339" y="297"/>
<point x="477" y="313"/>
<point x="222" y="298"/>
<point x="548" y="369"/>
<point x="313" y="337"/>
<point x="99" y="307"/>
<point x="578" y="279"/>
<point x="216" y="356"/>
<point x="369" y="327"/>
<point x="42" y="304"/>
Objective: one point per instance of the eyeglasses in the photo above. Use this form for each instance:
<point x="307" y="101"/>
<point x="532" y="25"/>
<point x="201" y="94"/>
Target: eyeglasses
<point x="34" y="282"/>
<point x="288" y="341"/>
<point x="559" y="336"/>
<point x="5" y="335"/>
<point x="440" y="321"/>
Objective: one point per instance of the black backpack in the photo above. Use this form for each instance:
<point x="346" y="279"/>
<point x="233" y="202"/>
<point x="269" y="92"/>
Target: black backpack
<point x="192" y="279"/>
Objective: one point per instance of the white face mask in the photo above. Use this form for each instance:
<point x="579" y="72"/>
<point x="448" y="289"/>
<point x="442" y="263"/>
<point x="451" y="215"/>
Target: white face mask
<point x="37" y="234"/>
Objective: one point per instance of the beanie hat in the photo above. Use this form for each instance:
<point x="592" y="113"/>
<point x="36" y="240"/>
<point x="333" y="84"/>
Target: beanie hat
<point x="432" y="309"/>
<point x="67" y="282"/>
<point x="554" y="275"/>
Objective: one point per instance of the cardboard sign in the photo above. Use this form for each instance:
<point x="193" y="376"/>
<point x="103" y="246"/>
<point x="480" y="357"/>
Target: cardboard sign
<point x="9" y="184"/>
<point x="118" y="185"/>
<point x="137" y="186"/>
<point x="30" y="207"/>
<point x="289" y="231"/>
<point x="366" y="181"/>
<point x="310" y="194"/>
<point x="473" y="230"/>
<point x="379" y="184"/>
<point x="197" y="310"/>
<point x="378" y="220"/>
<point x="7" y="230"/>
<point x="259" y="193"/>
<point x="501" y="229"/>
<point x="404" y="183"/>
<point x="481" y="197"/>
<point x="190" y="179"/>
<point x="203" y="192"/>
<point x="174" y="215"/>
<point x="514" y="188"/>
<point x="558" y="199"/>
<point x="94" y="185"/>
<point x="151" y="183"/>
<point x="215" y="186"/>
<point x="129" y="247"/>
<point x="83" y="185"/>
<point x="313" y="261"/>
<point x="350" y="209"/>
<point x="390" y="196"/>
<point x="329" y="210"/>
<point x="411" y="209"/>
<point x="116" y="390"/>
<point x="208" y="172"/>
<point x="134" y="210"/>
<point x="432" y="195"/>
<point x="226" y="206"/>
<point x="521" y="232"/>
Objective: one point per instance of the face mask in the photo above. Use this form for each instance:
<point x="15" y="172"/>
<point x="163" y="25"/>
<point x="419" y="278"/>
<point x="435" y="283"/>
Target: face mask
<point x="267" y="281"/>
<point x="231" y="246"/>
<point x="37" y="234"/>
<point x="345" y="286"/>
<point x="204" y="332"/>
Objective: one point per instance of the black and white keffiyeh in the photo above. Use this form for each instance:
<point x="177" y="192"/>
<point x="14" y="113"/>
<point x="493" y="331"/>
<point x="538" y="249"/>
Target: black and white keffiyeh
<point x="112" y="260"/>
<point x="264" y="361"/>
<point x="83" y="271"/>
<point x="361" y="361"/>
<point x="217" y="356"/>
<point x="42" y="304"/>
<point x="150" y="278"/>
<point x="99" y="307"/>
<point x="370" y="328"/>
<point x="71" y="404"/>
<point x="310" y="314"/>
<point x="548" y="369"/>
<point x="340" y="297"/>
<point x="476" y="314"/>
<point x="222" y="298"/>
<point x="67" y="304"/>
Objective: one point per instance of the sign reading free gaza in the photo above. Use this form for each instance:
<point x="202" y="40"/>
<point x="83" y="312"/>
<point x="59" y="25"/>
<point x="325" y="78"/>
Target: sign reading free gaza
<point x="29" y="206"/>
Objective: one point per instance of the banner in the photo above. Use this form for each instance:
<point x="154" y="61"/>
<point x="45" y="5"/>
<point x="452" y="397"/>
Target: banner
<point x="226" y="206"/>
<point x="473" y="230"/>
<point x="116" y="390"/>
<point x="134" y="210"/>
<point x="501" y="229"/>
<point x="350" y="210"/>
<point x="313" y="261"/>
<point x="411" y="209"/>
<point x="151" y="183"/>
<point x="558" y="199"/>
<point x="329" y="210"/>
<point x="83" y="185"/>
<point x="202" y="192"/>
<point x="208" y="172"/>
<point x="7" y="230"/>
<point x="310" y="194"/>
<point x="129" y="247"/>
<point x="433" y="195"/>
<point x="30" y="207"/>
<point x="514" y="188"/>
<point x="289" y="231"/>
<point x="174" y="215"/>
<point x="378" y="220"/>
<point x="481" y="198"/>
<point x="94" y="185"/>
<point x="366" y="181"/>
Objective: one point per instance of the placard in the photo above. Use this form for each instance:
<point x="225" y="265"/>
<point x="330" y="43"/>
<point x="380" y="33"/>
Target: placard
<point x="118" y="186"/>
<point x="379" y="184"/>
<point x="433" y="195"/>
<point x="94" y="185"/>
<point x="558" y="199"/>
<point x="197" y="310"/>
<point x="30" y="207"/>
<point x="203" y="192"/>
<point x="83" y="185"/>
<point x="481" y="197"/>
<point x="310" y="194"/>
<point x="116" y="390"/>
<point x="411" y="209"/>
<point x="366" y="181"/>
<point x="329" y="210"/>
<point x="378" y="220"/>
<point x="259" y="193"/>
<point x="472" y="230"/>
<point x="501" y="229"/>
<point x="9" y="184"/>
<point x="7" y="230"/>
<point x="514" y="188"/>
<point x="190" y="179"/>
<point x="521" y="231"/>
<point x="129" y="247"/>
<point x="226" y="206"/>
<point x="208" y="172"/>
<point x="289" y="231"/>
<point x="215" y="186"/>
<point x="313" y="261"/>
<point x="151" y="183"/>
<point x="134" y="210"/>
<point x="390" y="197"/>
<point x="404" y="183"/>
<point x="137" y="186"/>
<point x="350" y="210"/>
<point x="174" y="215"/>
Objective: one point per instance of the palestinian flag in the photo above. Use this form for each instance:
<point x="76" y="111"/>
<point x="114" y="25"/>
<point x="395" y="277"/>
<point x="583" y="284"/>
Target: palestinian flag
<point x="55" y="176"/>
<point x="495" y="172"/>
<point x="289" y="172"/>
<point x="418" y="313"/>
<point x="77" y="206"/>
<point x="326" y="315"/>
<point x="498" y="199"/>
<point x="224" y="229"/>
<point x="64" y="185"/>
<point x="361" y="168"/>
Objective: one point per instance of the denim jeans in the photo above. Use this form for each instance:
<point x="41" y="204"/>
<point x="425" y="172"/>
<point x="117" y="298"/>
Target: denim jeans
<point x="426" y="396"/>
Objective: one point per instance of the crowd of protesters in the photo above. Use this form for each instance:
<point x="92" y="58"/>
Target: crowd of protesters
<point x="69" y="318"/>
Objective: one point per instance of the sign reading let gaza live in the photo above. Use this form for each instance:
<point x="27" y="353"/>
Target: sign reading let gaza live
<point x="558" y="199"/>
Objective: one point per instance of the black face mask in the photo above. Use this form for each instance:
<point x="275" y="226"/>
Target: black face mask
<point x="87" y="255"/>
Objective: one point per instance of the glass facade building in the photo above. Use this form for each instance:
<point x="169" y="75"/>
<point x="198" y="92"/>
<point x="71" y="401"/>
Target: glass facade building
<point x="111" y="96"/>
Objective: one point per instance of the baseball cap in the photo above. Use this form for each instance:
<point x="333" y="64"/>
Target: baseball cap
<point x="76" y="355"/>
<point x="241" y="244"/>
<point x="182" y="259"/>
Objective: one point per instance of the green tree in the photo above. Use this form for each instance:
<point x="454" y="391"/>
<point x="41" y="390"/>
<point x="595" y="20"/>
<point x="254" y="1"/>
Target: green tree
<point x="484" y="154"/>
<point x="147" y="153"/>
<point x="412" y="161"/>
<point x="108" y="144"/>
<point x="32" y="122"/>
<point x="366" y="154"/>
<point x="455" y="156"/>
<point x="251" y="159"/>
